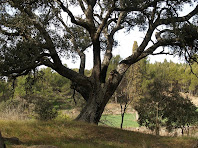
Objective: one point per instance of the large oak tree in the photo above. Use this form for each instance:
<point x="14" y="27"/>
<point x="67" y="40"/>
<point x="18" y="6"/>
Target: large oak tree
<point x="42" y="32"/>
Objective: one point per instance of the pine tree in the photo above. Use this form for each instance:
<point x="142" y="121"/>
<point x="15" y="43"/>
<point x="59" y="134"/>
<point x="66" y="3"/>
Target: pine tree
<point x="134" y="77"/>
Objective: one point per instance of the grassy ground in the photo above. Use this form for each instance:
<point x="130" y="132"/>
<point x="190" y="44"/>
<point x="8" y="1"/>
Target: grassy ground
<point x="70" y="134"/>
<point x="115" y="120"/>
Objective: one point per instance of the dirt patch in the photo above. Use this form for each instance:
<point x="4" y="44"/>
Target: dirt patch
<point x="115" y="109"/>
<point x="72" y="113"/>
<point x="192" y="98"/>
<point x="191" y="131"/>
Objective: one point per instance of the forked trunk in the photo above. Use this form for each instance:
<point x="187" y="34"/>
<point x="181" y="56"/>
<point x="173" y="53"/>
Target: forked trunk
<point x="94" y="108"/>
<point x="97" y="98"/>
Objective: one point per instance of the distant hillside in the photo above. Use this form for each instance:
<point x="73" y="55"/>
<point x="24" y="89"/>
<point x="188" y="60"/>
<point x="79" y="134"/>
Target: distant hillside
<point x="69" y="134"/>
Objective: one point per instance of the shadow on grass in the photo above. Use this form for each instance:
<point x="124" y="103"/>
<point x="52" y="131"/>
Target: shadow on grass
<point x="67" y="134"/>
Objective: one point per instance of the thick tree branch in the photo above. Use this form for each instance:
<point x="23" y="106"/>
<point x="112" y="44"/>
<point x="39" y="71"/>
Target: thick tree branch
<point x="8" y="33"/>
<point x="141" y="52"/>
<point x="57" y="65"/>
<point x="82" y="5"/>
<point x="45" y="34"/>
<point x="151" y="29"/>
<point x="104" y="21"/>
<point x="125" y="64"/>
<point x="110" y="40"/>
<point x="35" y="62"/>
<point x="162" y="42"/>
<point x="73" y="20"/>
<point x="80" y="52"/>
<point x="146" y="40"/>
<point x="82" y="62"/>
<point x="136" y="8"/>
<point x="75" y="77"/>
<point x="177" y="19"/>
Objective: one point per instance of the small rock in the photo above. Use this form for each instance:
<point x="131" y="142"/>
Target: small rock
<point x="13" y="140"/>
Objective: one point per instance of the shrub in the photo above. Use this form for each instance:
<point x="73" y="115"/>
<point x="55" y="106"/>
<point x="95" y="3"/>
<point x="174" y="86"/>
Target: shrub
<point x="45" y="110"/>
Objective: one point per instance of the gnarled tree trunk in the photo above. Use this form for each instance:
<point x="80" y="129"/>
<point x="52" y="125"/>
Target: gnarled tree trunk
<point x="92" y="112"/>
<point x="98" y="97"/>
<point x="94" y="107"/>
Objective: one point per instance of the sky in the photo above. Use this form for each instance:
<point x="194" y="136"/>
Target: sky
<point x="125" y="42"/>
<point x="124" y="50"/>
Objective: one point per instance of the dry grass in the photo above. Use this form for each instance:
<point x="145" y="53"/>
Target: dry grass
<point x="192" y="98"/>
<point x="70" y="134"/>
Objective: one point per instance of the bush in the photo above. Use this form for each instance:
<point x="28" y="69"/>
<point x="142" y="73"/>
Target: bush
<point x="45" y="110"/>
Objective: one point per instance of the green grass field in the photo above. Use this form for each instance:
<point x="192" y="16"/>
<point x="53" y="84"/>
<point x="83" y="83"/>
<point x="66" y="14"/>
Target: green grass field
<point x="115" y="120"/>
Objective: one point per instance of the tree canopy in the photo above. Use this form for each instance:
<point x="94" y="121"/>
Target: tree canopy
<point x="42" y="32"/>
<point x="162" y="105"/>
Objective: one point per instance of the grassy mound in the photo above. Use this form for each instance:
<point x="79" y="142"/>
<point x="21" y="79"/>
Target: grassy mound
<point x="70" y="134"/>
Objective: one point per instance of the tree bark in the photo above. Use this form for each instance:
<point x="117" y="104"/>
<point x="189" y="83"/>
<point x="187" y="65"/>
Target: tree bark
<point x="157" y="121"/>
<point x="93" y="109"/>
<point x="122" y="114"/>
<point x="98" y="96"/>
<point x="97" y="99"/>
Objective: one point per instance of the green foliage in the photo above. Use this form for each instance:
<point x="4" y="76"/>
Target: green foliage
<point x="9" y="105"/>
<point x="35" y="33"/>
<point x="163" y="106"/>
<point x="135" y="46"/>
<point x="135" y="76"/>
<point x="179" y="112"/>
<point x="188" y="33"/>
<point x="5" y="90"/>
<point x="151" y="106"/>
<point x="41" y="93"/>
<point x="113" y="63"/>
<point x="130" y="88"/>
<point x="173" y="73"/>
<point x="45" y="109"/>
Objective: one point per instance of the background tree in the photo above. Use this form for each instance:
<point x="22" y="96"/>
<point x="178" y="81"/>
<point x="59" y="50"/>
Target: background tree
<point x="163" y="106"/>
<point x="130" y="88"/>
<point x="150" y="107"/>
<point x="134" y="77"/>
<point x="40" y="94"/>
<point x="5" y="90"/>
<point x="123" y="98"/>
<point x="182" y="116"/>
<point x="34" y="33"/>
